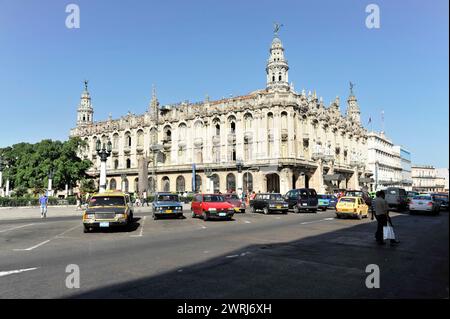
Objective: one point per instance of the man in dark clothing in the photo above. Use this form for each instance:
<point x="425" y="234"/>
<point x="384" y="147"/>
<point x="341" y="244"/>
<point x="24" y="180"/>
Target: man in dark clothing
<point x="380" y="207"/>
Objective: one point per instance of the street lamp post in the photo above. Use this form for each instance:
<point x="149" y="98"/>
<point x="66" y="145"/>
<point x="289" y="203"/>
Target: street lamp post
<point x="104" y="151"/>
<point x="51" y="174"/>
<point x="239" y="165"/>
<point x="1" y="176"/>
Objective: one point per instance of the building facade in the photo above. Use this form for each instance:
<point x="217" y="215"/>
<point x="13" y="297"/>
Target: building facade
<point x="443" y="174"/>
<point x="405" y="163"/>
<point x="426" y="179"/>
<point x="273" y="139"/>
<point x="384" y="160"/>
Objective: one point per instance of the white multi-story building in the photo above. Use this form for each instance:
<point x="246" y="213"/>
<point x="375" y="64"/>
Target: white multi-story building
<point x="384" y="161"/>
<point x="426" y="179"/>
<point x="443" y="173"/>
<point x="273" y="139"/>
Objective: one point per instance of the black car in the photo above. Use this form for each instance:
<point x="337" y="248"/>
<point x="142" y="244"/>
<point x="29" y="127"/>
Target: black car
<point x="442" y="199"/>
<point x="302" y="199"/>
<point x="269" y="202"/>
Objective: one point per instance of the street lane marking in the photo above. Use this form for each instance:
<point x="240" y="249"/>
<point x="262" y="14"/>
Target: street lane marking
<point x="17" y="271"/>
<point x="5" y="230"/>
<point x="142" y="228"/>
<point x="232" y="256"/>
<point x="247" y="222"/>
<point x="34" y="247"/>
<point x="47" y="241"/>
<point x="316" y="221"/>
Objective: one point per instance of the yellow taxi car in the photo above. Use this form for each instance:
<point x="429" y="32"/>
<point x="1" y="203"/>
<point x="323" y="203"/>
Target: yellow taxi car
<point x="352" y="207"/>
<point x="108" y="209"/>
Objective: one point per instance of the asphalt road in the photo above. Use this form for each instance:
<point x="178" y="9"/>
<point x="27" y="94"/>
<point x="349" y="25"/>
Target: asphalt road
<point x="254" y="256"/>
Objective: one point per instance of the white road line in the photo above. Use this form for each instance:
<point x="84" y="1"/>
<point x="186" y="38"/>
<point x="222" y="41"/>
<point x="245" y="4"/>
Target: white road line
<point x="5" y="230"/>
<point x="316" y="221"/>
<point x="203" y="227"/>
<point x="247" y="222"/>
<point x="232" y="256"/>
<point x="330" y="218"/>
<point x="17" y="271"/>
<point x="142" y="228"/>
<point x="48" y="240"/>
<point x="34" y="247"/>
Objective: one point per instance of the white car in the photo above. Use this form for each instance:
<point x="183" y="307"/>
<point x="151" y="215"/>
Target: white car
<point x="424" y="203"/>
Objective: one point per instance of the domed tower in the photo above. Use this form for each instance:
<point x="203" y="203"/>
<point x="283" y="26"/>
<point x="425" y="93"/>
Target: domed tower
<point x="277" y="66"/>
<point x="353" y="111"/>
<point x="85" y="112"/>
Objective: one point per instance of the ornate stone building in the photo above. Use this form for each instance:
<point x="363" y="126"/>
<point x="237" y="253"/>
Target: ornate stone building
<point x="273" y="139"/>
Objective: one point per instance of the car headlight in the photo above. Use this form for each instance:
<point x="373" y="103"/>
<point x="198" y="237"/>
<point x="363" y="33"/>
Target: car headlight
<point x="90" y="216"/>
<point x="160" y="208"/>
<point x="120" y="215"/>
<point x="178" y="208"/>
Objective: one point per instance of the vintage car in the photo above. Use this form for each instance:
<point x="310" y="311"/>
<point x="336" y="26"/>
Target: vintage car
<point x="352" y="206"/>
<point x="268" y="203"/>
<point x="323" y="201"/>
<point x="108" y="209"/>
<point x="166" y="204"/>
<point x="211" y="206"/>
<point x="238" y="204"/>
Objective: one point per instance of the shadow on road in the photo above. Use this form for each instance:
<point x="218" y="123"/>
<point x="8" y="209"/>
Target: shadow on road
<point x="328" y="265"/>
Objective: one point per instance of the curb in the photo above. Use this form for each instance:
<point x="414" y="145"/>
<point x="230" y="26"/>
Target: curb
<point x="36" y="207"/>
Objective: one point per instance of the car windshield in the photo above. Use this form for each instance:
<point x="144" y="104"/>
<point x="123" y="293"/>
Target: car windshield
<point x="168" y="198"/>
<point x="322" y="196"/>
<point x="441" y="197"/>
<point x="347" y="200"/>
<point x="355" y="193"/>
<point x="304" y="194"/>
<point x="107" y="201"/>
<point x="276" y="197"/>
<point x="422" y="197"/>
<point x="232" y="196"/>
<point x="213" y="198"/>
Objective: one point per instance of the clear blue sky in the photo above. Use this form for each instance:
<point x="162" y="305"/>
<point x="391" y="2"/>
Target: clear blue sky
<point x="192" y="48"/>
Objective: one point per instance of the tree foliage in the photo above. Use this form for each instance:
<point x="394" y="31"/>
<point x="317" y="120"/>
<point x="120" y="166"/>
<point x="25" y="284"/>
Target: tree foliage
<point x="28" y="165"/>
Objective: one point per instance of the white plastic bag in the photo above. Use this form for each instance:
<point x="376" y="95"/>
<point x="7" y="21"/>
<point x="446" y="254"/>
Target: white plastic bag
<point x="388" y="232"/>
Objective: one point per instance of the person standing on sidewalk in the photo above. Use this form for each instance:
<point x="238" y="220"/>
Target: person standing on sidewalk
<point x="43" y="201"/>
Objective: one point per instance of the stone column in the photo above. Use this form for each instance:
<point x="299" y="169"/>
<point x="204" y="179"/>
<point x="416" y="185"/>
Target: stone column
<point x="317" y="178"/>
<point x="291" y="133"/>
<point x="301" y="181"/>
<point x="285" y="180"/>
<point x="276" y="136"/>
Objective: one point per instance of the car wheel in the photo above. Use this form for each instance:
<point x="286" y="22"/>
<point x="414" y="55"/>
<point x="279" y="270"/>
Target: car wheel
<point x="314" y="210"/>
<point x="324" y="209"/>
<point x="296" y="210"/>
<point x="155" y="217"/>
<point x="266" y="210"/>
<point x="359" y="216"/>
<point x="193" y="214"/>
<point x="86" y="229"/>
<point x="205" y="217"/>
<point x="253" y="210"/>
<point x="338" y="216"/>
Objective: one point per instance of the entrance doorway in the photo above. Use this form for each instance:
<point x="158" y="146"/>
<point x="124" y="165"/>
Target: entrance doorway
<point x="273" y="183"/>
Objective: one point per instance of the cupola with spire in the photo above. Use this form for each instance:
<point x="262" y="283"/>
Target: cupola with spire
<point x="277" y="66"/>
<point x="85" y="110"/>
<point x="353" y="111"/>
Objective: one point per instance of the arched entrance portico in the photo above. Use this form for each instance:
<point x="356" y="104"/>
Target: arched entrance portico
<point x="273" y="182"/>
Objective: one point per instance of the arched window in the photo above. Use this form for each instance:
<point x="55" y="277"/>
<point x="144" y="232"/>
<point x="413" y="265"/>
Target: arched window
<point x="248" y="182"/>
<point x="198" y="126"/>
<point x="199" y="155"/>
<point x="270" y="121"/>
<point x="127" y="140"/>
<point x="115" y="141"/>
<point x="112" y="184"/>
<point x="125" y="185"/>
<point x="217" y="129"/>
<point x="182" y="131"/>
<point x="198" y="184"/>
<point x="284" y="120"/>
<point x="151" y="185"/>
<point x="231" y="183"/>
<point x="116" y="164"/>
<point x="248" y="121"/>
<point x="128" y="163"/>
<point x="273" y="78"/>
<point x="167" y="134"/>
<point x="181" y="185"/>
<point x="165" y="184"/>
<point x="140" y="138"/>
<point x="216" y="183"/>
<point x="136" y="185"/>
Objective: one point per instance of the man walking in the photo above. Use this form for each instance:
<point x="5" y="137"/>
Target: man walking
<point x="380" y="207"/>
<point x="43" y="201"/>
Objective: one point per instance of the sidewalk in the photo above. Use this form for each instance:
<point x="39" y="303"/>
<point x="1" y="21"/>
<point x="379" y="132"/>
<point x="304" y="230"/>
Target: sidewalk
<point x="12" y="213"/>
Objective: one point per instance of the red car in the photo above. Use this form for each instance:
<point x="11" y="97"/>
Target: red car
<point x="238" y="204"/>
<point x="209" y="206"/>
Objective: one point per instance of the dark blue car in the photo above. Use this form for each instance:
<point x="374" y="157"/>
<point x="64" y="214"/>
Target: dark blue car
<point x="167" y="204"/>
<point x="332" y="201"/>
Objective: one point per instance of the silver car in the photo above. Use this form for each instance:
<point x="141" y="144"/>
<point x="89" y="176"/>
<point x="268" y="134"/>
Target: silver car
<point x="424" y="203"/>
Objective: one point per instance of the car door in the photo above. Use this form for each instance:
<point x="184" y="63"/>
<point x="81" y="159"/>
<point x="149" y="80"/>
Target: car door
<point x="292" y="198"/>
<point x="195" y="204"/>
<point x="257" y="202"/>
